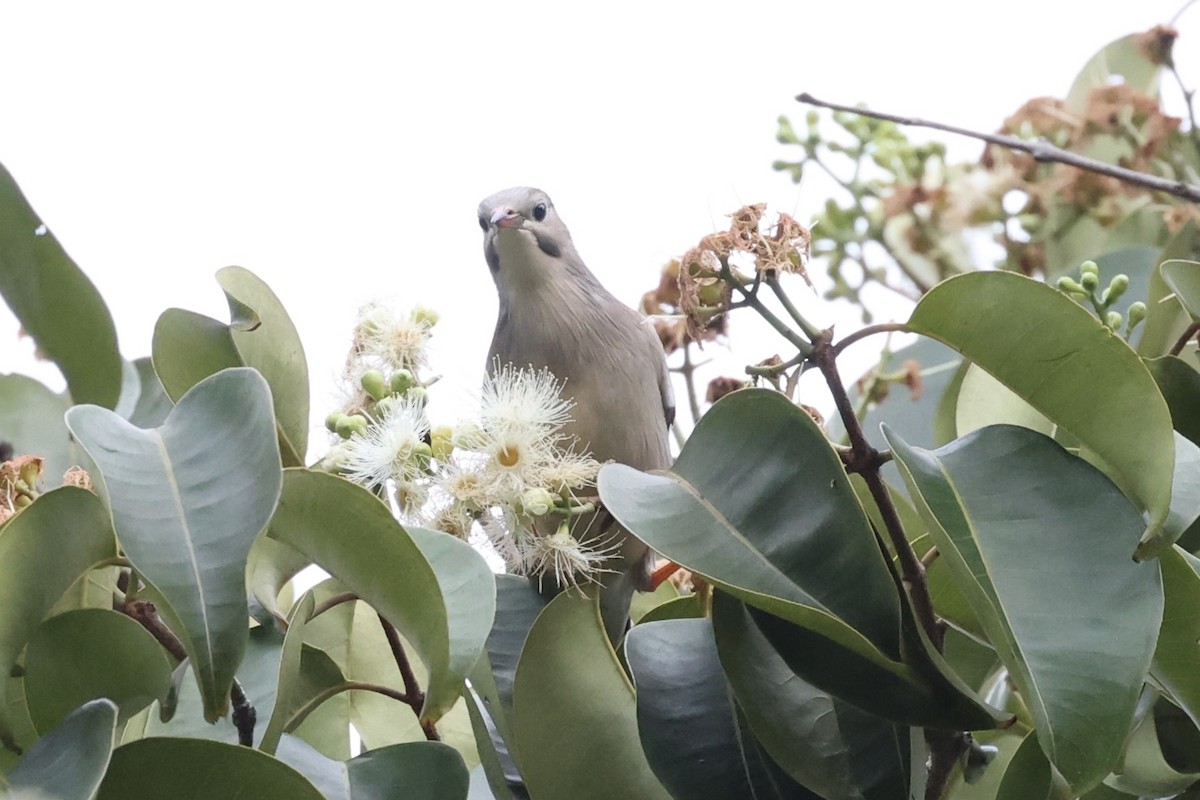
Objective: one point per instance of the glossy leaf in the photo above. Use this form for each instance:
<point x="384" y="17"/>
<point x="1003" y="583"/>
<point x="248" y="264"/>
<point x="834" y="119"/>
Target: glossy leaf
<point x="1067" y="365"/>
<point x="68" y="762"/>
<point x="822" y="742"/>
<point x="271" y="345"/>
<point x="91" y="653"/>
<point x="31" y="418"/>
<point x="199" y="769"/>
<point x="352" y="535"/>
<point x="422" y="770"/>
<point x="575" y="717"/>
<point x="270" y="565"/>
<point x="55" y="302"/>
<point x="1144" y="769"/>
<point x="187" y="501"/>
<point x="758" y="503"/>
<point x="689" y="725"/>
<point x="1176" y="663"/>
<point x="44" y="549"/>
<point x="1067" y="551"/>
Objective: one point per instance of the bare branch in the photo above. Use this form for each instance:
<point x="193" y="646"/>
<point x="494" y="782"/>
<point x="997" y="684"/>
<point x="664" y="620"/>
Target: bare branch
<point x="1040" y="149"/>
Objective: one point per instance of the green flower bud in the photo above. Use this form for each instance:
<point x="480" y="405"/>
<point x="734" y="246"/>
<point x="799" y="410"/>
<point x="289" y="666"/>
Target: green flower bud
<point x="1113" y="319"/>
<point x="402" y="381"/>
<point x="1116" y="287"/>
<point x="422" y="454"/>
<point x="1089" y="267"/>
<point x="425" y="316"/>
<point x="351" y="424"/>
<point x="373" y="382"/>
<point x="1137" y="313"/>
<point x="385" y="406"/>
<point x="441" y="439"/>
<point x="1070" y="285"/>
<point x="331" y="422"/>
<point x="537" y="501"/>
<point x="1089" y="281"/>
<point x="418" y="393"/>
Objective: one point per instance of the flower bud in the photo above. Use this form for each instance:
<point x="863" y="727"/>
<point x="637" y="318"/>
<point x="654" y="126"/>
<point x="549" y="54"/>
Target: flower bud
<point x="1089" y="281"/>
<point x="537" y="501"/>
<point x="441" y="440"/>
<point x="351" y="424"/>
<point x="1070" y="285"/>
<point x="1137" y="313"/>
<point x="331" y="422"/>
<point x="425" y="316"/>
<point x="1116" y="287"/>
<point x="373" y="382"/>
<point x="1113" y="320"/>
<point x="402" y="381"/>
<point x="1089" y="267"/>
<point x="422" y="454"/>
<point x="418" y="394"/>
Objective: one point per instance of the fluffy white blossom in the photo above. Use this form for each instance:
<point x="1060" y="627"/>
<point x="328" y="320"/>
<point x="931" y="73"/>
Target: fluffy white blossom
<point x="393" y="447"/>
<point x="564" y="558"/>
<point x="387" y="339"/>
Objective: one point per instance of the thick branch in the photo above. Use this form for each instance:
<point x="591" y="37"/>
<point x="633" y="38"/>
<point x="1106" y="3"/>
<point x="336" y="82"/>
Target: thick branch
<point x="1040" y="149"/>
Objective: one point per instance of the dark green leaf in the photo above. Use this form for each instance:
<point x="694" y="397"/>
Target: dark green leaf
<point x="198" y="769"/>
<point x="56" y="303"/>
<point x="759" y="504"/>
<point x="823" y="742"/>
<point x="424" y="771"/>
<point x="1184" y="279"/>
<point x="1067" y="365"/>
<point x="91" y="653"/>
<point x="688" y="723"/>
<point x="188" y="347"/>
<point x="152" y="405"/>
<point x="68" y="763"/>
<point x="1176" y="663"/>
<point x="187" y="500"/>
<point x="44" y="549"/>
<point x="1028" y="774"/>
<point x="575" y="716"/>
<point x="1067" y="550"/>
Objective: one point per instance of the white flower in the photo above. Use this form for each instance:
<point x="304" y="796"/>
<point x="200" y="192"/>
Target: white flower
<point x="393" y="447"/>
<point x="569" y="472"/>
<point x="501" y="531"/>
<point x="525" y="401"/>
<point x="385" y="338"/>
<point x="564" y="558"/>
<point x="463" y="479"/>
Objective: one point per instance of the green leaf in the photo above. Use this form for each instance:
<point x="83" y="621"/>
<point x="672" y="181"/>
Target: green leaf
<point x="188" y="347"/>
<point x="1180" y="386"/>
<point x="152" y="404"/>
<point x="575" y="717"/>
<point x="1028" y="774"/>
<point x="91" y="653"/>
<point x="1184" y="279"/>
<point x="425" y="770"/>
<point x="983" y="401"/>
<point x="198" y="769"/>
<point x="55" y="302"/>
<point x="352" y="535"/>
<point x="271" y="345"/>
<point x="68" y="763"/>
<point x="270" y="565"/>
<point x="759" y="504"/>
<point x="1067" y="365"/>
<point x="31" y="420"/>
<point x="187" y="501"/>
<point x="1145" y="770"/>
<point x="1176" y="663"/>
<point x="689" y="726"/>
<point x="1066" y="550"/>
<point x="44" y="549"/>
<point x="822" y="742"/>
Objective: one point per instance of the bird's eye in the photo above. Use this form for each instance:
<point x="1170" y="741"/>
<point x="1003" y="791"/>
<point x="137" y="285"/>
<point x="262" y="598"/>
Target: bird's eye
<point x="539" y="212"/>
<point x="483" y="223"/>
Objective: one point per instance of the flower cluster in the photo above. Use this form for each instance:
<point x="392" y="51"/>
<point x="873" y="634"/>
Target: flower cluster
<point x="510" y="479"/>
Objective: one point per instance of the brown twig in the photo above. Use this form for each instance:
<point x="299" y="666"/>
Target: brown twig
<point x="331" y="602"/>
<point x="145" y="614"/>
<point x="870" y="330"/>
<point x="1040" y="149"/>
<point x="413" y="696"/>
<point x="1181" y="343"/>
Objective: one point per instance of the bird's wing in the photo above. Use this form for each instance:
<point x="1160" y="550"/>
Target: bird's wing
<point x="664" y="376"/>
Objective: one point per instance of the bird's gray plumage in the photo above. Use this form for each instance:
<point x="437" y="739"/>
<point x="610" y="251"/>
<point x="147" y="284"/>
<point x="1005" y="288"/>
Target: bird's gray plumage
<point x="554" y="313"/>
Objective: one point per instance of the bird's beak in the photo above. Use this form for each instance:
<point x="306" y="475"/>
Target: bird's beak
<point x="505" y="217"/>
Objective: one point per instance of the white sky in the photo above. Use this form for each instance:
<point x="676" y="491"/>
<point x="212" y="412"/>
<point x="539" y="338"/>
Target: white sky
<point x="339" y="151"/>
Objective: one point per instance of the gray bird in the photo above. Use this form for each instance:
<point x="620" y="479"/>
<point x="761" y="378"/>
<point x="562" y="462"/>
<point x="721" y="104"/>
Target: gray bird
<point x="554" y="313"/>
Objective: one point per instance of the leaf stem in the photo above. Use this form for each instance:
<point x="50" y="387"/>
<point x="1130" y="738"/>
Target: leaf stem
<point x="297" y="718"/>
<point x="772" y="281"/>
<point x="1191" y="331"/>
<point x="331" y="602"/>
<point x="870" y="330"/>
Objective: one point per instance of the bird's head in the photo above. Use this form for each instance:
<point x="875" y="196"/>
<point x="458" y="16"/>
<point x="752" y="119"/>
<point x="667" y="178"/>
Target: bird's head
<point x="524" y="239"/>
